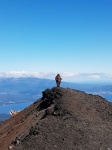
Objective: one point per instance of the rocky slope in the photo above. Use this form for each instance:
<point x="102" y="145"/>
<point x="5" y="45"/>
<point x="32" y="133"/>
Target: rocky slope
<point x="61" y="119"/>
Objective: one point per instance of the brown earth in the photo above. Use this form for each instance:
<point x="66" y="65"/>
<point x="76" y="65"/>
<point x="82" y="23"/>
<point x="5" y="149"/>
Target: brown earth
<point x="63" y="119"/>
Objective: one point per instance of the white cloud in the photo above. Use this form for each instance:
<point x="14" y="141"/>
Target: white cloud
<point x="19" y="74"/>
<point x="51" y="75"/>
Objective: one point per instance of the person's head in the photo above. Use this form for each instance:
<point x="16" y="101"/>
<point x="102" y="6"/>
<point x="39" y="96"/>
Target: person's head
<point x="58" y="74"/>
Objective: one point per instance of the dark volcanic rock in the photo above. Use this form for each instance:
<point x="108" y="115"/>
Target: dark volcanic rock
<point x="61" y="119"/>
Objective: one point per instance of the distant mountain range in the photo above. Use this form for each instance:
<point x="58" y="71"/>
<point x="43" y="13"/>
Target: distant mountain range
<point x="29" y="89"/>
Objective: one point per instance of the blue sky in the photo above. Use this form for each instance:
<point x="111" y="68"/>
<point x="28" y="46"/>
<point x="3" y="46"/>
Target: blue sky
<point x="45" y="37"/>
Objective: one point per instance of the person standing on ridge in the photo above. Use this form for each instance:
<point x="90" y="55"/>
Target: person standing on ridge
<point x="58" y="80"/>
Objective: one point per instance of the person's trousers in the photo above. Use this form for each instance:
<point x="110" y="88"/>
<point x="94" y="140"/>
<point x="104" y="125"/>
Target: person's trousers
<point x="58" y="84"/>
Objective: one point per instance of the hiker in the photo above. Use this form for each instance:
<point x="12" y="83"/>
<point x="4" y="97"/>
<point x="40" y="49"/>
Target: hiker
<point x="58" y="80"/>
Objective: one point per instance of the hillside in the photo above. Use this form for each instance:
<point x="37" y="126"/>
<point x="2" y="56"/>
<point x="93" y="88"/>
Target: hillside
<point x="61" y="119"/>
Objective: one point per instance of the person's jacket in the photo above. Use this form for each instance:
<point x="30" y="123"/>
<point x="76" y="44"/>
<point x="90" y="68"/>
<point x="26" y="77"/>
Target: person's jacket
<point x="58" y="78"/>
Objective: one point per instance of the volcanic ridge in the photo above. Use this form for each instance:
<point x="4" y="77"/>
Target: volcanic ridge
<point x="63" y="119"/>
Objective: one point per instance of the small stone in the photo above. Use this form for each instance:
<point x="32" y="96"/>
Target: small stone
<point x="10" y="147"/>
<point x="55" y="146"/>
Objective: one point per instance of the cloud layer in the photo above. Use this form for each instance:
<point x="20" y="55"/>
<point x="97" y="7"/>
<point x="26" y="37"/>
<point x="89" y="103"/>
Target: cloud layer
<point x="51" y="75"/>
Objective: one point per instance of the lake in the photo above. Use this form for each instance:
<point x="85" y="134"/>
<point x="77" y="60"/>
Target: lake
<point x="18" y="106"/>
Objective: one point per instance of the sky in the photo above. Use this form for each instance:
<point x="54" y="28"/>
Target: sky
<point x="44" y="37"/>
